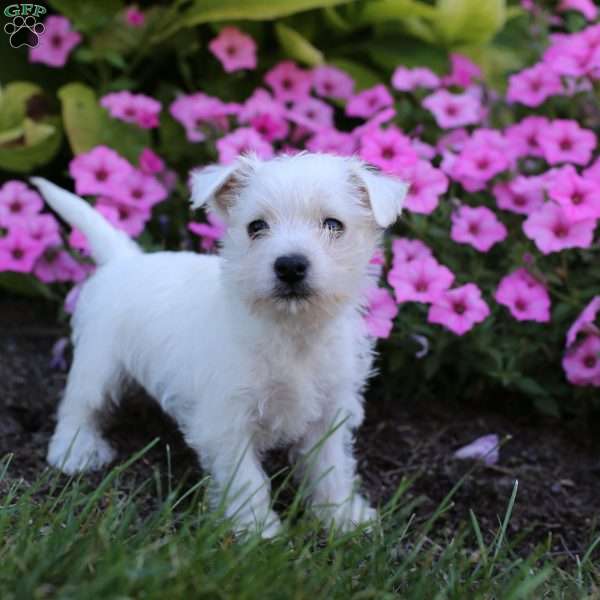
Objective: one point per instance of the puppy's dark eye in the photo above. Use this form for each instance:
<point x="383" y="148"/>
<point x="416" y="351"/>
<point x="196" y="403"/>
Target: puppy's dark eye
<point x="257" y="228"/>
<point x="333" y="226"/>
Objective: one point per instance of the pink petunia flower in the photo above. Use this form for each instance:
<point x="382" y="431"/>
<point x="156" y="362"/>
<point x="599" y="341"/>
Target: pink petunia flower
<point x="370" y="101"/>
<point x="388" y="149"/>
<point x="150" y="162"/>
<point x="581" y="362"/>
<point x="134" y="17"/>
<point x="477" y="226"/>
<point x="240" y="141"/>
<point x="133" y="108"/>
<point x="210" y="232"/>
<point x="525" y="136"/>
<point x="43" y="229"/>
<point x="234" y="49"/>
<point x="139" y="191"/>
<point x="421" y="280"/>
<point x="463" y="71"/>
<point x="201" y="114"/>
<point x="331" y="82"/>
<point x="18" y="202"/>
<point x="568" y="55"/>
<point x="580" y="197"/>
<point x="427" y="184"/>
<point x="552" y="230"/>
<point x="453" y="110"/>
<point x="381" y="312"/>
<point x="311" y="113"/>
<point x="592" y="173"/>
<point x="526" y="300"/>
<point x="56" y="43"/>
<point x="19" y="251"/>
<point x="99" y="171"/>
<point x="333" y="142"/>
<point x="374" y="123"/>
<point x="261" y="103"/>
<point x="407" y="80"/>
<point x="289" y="82"/>
<point x="521" y="195"/>
<point x="584" y="322"/>
<point x="477" y="163"/>
<point x="271" y="127"/>
<point x="534" y="85"/>
<point x="405" y="251"/>
<point x="57" y="265"/>
<point x="564" y="141"/>
<point x="460" y="309"/>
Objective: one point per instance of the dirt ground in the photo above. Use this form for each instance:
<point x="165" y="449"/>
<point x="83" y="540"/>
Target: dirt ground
<point x="557" y="465"/>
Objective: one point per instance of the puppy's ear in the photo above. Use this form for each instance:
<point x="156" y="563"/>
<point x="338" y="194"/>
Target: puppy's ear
<point x="219" y="185"/>
<point x="384" y="194"/>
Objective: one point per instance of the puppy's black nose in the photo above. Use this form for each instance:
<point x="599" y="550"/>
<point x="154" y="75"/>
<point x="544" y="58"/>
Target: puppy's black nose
<point x="292" y="268"/>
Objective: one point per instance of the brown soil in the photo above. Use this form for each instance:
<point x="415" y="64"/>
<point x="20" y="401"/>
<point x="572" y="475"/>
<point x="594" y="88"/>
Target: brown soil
<point x="556" y="464"/>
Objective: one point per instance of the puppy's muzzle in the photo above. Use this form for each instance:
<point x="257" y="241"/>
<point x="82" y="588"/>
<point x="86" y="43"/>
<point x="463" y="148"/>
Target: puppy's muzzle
<point x="291" y="269"/>
<point x="291" y="272"/>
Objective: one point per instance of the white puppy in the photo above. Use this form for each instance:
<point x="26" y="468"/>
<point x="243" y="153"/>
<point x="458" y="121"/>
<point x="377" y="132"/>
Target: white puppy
<point x="260" y="347"/>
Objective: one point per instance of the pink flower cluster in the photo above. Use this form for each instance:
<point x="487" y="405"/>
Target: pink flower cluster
<point x="132" y="108"/>
<point x="516" y="194"/>
<point x="581" y="361"/>
<point x="125" y="194"/>
<point x="418" y="277"/>
<point x="30" y="240"/>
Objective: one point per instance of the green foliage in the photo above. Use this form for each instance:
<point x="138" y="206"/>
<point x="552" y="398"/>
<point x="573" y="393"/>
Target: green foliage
<point x="88" y="125"/>
<point x="70" y="539"/>
<point x="25" y="143"/>
<point x="297" y="47"/>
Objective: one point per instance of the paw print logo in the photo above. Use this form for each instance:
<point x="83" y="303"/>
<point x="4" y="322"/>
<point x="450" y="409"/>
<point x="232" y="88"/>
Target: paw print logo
<point x="24" y="31"/>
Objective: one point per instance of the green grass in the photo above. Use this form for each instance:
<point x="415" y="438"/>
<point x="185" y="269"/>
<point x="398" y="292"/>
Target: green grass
<point x="82" y="542"/>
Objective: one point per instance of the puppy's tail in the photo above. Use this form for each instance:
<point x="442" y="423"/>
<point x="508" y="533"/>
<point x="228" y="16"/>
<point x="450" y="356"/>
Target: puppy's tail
<point x="106" y="242"/>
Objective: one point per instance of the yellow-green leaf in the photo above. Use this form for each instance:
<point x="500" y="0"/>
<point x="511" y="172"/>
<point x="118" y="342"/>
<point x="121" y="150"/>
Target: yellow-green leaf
<point x="297" y="47"/>
<point x="469" y="21"/>
<point x="13" y="103"/>
<point x="379" y="11"/>
<point x="210" y="11"/>
<point x="81" y="116"/>
<point x="35" y="147"/>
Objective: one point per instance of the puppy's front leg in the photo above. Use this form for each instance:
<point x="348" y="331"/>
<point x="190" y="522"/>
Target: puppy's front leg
<point x="329" y="467"/>
<point x="241" y="483"/>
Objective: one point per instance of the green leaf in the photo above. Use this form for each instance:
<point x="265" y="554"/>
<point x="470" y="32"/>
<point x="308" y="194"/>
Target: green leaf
<point x="495" y="61"/>
<point x="87" y="124"/>
<point x="39" y="143"/>
<point x="24" y="285"/>
<point x="363" y="76"/>
<point x="81" y="116"/>
<point x="297" y="47"/>
<point x="88" y="16"/>
<point x="391" y="51"/>
<point x="469" y="21"/>
<point x="13" y="103"/>
<point x="210" y="11"/>
<point x="380" y="11"/>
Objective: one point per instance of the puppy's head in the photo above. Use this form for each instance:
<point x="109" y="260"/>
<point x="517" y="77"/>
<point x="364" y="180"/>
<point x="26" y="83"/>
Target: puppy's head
<point x="301" y="229"/>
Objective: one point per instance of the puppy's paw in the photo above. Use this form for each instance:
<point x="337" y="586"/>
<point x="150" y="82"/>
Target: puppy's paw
<point x="81" y="450"/>
<point x="348" y="515"/>
<point x="267" y="527"/>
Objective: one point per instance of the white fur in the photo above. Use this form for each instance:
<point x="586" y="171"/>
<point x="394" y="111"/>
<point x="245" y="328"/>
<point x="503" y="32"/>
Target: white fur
<point x="240" y="369"/>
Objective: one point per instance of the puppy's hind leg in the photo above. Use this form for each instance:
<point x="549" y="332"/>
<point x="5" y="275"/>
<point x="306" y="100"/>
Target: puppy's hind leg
<point x="77" y="443"/>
